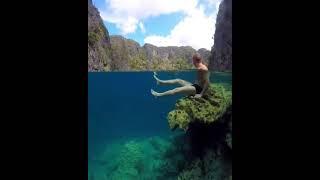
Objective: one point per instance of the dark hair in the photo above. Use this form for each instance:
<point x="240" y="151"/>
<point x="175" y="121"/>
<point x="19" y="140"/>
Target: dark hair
<point x="197" y="57"/>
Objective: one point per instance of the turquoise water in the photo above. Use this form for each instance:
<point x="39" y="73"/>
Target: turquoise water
<point x="128" y="125"/>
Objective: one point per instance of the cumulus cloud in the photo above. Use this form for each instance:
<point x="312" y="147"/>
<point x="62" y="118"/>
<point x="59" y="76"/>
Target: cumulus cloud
<point x="127" y="14"/>
<point x="196" y="30"/>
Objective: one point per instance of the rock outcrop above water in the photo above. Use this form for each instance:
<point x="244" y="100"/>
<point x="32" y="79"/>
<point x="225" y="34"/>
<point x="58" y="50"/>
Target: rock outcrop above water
<point x="208" y="109"/>
<point x="221" y="52"/>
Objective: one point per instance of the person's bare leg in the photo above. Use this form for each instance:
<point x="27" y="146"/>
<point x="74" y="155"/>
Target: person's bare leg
<point x="186" y="90"/>
<point x="172" y="81"/>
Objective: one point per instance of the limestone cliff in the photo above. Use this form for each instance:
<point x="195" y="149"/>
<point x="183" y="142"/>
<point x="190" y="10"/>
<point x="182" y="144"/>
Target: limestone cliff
<point x="221" y="52"/>
<point x="99" y="55"/>
<point x="127" y="54"/>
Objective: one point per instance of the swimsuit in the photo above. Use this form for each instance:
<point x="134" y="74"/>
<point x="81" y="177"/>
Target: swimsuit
<point x="198" y="88"/>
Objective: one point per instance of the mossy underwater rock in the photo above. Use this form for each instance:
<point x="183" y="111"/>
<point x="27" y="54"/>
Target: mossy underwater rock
<point x="207" y="109"/>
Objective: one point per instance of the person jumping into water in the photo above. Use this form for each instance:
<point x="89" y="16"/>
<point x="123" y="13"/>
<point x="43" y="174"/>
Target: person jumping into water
<point x="187" y="88"/>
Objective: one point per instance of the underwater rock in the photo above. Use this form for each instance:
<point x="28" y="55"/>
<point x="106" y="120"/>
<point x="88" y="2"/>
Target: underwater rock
<point x="212" y="166"/>
<point x="154" y="158"/>
<point x="194" y="172"/>
<point x="207" y="125"/>
<point x="229" y="140"/>
<point x="229" y="135"/>
<point x="128" y="165"/>
<point x="169" y="158"/>
<point x="216" y="166"/>
<point x="207" y="109"/>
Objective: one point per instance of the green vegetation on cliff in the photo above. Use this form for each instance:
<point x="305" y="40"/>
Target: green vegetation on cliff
<point x="96" y="35"/>
<point x="138" y="62"/>
<point x="92" y="38"/>
<point x="159" y="64"/>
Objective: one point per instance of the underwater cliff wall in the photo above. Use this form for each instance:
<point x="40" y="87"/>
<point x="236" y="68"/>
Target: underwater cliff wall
<point x="207" y="123"/>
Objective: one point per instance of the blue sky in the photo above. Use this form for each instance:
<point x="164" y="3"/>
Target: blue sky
<point x="161" y="22"/>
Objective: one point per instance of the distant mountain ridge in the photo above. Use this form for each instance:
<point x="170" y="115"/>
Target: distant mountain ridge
<point x="129" y="55"/>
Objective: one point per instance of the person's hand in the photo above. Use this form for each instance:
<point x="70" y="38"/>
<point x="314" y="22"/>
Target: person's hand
<point x="197" y="96"/>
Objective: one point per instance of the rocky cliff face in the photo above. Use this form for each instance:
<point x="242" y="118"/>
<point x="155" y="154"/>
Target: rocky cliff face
<point x="124" y="52"/>
<point x="99" y="54"/>
<point x="221" y="52"/>
<point x="171" y="52"/>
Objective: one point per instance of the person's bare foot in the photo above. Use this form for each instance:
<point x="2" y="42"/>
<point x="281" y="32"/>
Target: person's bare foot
<point x="154" y="93"/>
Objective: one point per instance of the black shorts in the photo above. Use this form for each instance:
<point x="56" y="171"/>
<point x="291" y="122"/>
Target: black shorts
<point x="198" y="88"/>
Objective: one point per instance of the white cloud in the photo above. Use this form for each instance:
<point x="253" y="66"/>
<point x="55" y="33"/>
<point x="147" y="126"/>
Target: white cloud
<point x="195" y="30"/>
<point x="143" y="30"/>
<point x="130" y="25"/>
<point x="127" y="14"/>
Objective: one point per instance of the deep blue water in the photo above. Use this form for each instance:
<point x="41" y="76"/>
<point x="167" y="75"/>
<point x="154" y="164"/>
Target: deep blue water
<point x="121" y="105"/>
